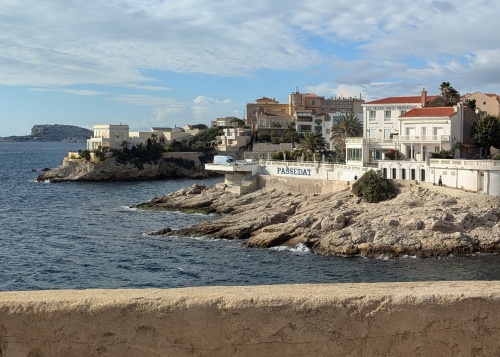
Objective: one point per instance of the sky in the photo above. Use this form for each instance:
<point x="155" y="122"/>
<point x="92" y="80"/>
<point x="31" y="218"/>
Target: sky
<point x="152" y="63"/>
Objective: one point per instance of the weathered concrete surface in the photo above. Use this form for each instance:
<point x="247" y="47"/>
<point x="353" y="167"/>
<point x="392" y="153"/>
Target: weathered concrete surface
<point x="386" y="319"/>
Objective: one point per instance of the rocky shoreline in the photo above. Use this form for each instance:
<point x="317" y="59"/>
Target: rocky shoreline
<point x="418" y="222"/>
<point x="110" y="170"/>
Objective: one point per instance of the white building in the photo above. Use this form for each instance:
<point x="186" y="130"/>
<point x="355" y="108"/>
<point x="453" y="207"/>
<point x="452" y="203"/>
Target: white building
<point x="113" y="135"/>
<point x="233" y="138"/>
<point x="380" y="124"/>
<point x="110" y="135"/>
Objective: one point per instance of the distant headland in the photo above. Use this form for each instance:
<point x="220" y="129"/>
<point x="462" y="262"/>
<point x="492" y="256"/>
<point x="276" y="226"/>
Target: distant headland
<point x="53" y="132"/>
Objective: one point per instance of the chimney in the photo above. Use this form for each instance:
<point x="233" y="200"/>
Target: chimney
<point x="423" y="97"/>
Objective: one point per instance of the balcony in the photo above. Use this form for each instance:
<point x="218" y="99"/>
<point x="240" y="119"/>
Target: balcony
<point x="422" y="138"/>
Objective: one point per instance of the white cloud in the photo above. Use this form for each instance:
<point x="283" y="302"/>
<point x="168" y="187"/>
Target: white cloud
<point x="64" y="42"/>
<point x="201" y="99"/>
<point x="345" y="47"/>
<point x="83" y="92"/>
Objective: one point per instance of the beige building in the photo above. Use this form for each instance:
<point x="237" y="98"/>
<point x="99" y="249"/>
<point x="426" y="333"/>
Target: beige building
<point x="318" y="105"/>
<point x="264" y="105"/>
<point x="487" y="103"/>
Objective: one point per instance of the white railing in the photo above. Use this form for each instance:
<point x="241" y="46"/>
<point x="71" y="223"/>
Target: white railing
<point x="422" y="138"/>
<point x="465" y="163"/>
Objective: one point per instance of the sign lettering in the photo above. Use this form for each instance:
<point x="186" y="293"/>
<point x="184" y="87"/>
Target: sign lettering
<point x="293" y="171"/>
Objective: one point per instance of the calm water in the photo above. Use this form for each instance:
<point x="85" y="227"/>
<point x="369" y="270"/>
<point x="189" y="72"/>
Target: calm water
<point x="83" y="235"/>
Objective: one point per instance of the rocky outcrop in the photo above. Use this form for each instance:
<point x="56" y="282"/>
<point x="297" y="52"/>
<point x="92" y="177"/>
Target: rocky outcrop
<point x="110" y="170"/>
<point x="418" y="222"/>
<point x="56" y="132"/>
<point x="377" y="319"/>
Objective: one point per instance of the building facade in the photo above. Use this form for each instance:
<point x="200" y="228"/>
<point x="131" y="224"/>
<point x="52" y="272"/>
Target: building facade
<point x="486" y="103"/>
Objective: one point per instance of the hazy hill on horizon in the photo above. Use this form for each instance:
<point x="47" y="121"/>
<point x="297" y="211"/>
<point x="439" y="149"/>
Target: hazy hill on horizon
<point x="54" y="132"/>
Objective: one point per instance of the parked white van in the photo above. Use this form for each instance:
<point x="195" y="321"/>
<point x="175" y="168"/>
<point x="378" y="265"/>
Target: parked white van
<point x="223" y="160"/>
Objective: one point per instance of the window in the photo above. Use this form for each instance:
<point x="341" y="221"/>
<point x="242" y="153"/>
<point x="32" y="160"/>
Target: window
<point x="318" y="129"/>
<point x="354" y="154"/>
<point x="387" y="134"/>
<point x="372" y="115"/>
<point x="313" y="102"/>
<point x="375" y="154"/>
<point x="387" y="115"/>
<point x="372" y="133"/>
<point x="401" y="112"/>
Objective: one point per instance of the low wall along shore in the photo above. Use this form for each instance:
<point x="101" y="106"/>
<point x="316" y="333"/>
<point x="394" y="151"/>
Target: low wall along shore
<point x="379" y="319"/>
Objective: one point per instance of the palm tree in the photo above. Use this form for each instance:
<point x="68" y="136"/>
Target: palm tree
<point x="312" y="142"/>
<point x="449" y="94"/>
<point x="347" y="125"/>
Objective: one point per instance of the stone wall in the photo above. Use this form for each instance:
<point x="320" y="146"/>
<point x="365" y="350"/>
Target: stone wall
<point x="379" y="319"/>
<point x="303" y="186"/>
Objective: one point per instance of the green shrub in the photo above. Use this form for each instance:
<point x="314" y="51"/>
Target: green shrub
<point x="139" y="154"/>
<point x="443" y="154"/>
<point x="496" y="157"/>
<point x="373" y="187"/>
<point x="84" y="154"/>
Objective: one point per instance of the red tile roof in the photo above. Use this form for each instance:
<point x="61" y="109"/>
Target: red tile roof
<point x="402" y="100"/>
<point x="266" y="99"/>
<point x="429" y="112"/>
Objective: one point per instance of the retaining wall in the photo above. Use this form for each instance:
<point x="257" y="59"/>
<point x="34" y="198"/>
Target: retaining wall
<point x="383" y="319"/>
<point x="303" y="186"/>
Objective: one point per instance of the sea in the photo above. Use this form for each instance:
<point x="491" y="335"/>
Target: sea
<point x="78" y="235"/>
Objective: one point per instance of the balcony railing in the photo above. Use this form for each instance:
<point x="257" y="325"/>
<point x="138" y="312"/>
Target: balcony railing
<point x="422" y="138"/>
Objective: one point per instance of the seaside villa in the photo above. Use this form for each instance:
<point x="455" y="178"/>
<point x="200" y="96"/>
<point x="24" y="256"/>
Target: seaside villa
<point x="412" y="127"/>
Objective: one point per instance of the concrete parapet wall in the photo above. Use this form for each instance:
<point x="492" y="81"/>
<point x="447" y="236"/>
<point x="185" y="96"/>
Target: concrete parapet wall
<point x="303" y="186"/>
<point x="379" y="319"/>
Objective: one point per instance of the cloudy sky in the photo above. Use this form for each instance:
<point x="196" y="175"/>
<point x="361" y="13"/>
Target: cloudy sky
<point x="164" y="63"/>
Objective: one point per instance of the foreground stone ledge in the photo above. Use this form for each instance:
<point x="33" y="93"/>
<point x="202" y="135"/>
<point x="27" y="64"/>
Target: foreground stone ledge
<point x="379" y="319"/>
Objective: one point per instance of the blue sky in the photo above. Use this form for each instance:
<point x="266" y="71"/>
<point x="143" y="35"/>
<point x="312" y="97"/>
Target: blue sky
<point x="164" y="63"/>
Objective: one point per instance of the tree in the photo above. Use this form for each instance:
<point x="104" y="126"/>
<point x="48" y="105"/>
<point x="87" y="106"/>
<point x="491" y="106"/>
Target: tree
<point x="291" y="136"/>
<point x="240" y="123"/>
<point x="347" y="125"/>
<point x="312" y="142"/>
<point x="449" y="94"/>
<point x="373" y="187"/>
<point x="471" y="103"/>
<point x="485" y="132"/>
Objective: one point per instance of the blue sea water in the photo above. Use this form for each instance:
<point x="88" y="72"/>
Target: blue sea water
<point x="84" y="235"/>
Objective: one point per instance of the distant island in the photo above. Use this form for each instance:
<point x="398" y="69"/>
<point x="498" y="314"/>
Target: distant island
<point x="53" y="132"/>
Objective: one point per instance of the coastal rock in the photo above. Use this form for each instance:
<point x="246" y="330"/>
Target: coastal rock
<point x="341" y="224"/>
<point x="110" y="170"/>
